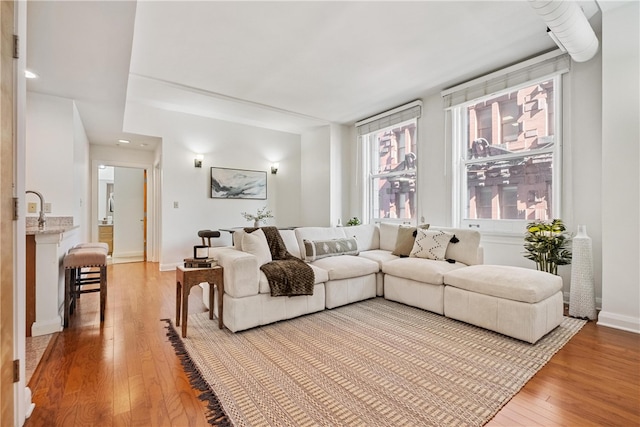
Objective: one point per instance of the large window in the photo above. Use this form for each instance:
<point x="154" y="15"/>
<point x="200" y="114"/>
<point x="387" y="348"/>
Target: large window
<point x="509" y="161"/>
<point x="390" y="165"/>
<point x="392" y="175"/>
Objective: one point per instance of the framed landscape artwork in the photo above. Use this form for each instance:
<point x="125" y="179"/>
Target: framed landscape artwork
<point x="238" y="184"/>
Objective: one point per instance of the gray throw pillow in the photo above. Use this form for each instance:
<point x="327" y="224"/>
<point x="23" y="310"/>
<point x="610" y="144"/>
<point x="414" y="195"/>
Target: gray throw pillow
<point x="404" y="241"/>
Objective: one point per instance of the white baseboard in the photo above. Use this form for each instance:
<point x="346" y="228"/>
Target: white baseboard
<point x="29" y="405"/>
<point x="45" y="327"/>
<point x="618" y="321"/>
<point x="129" y="254"/>
<point x="170" y="266"/>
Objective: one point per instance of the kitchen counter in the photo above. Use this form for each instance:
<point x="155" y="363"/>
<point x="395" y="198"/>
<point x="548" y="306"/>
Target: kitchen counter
<point x="32" y="231"/>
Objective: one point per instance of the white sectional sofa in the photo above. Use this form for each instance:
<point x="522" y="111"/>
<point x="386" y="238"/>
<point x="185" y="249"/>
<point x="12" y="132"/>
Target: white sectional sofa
<point x="374" y="270"/>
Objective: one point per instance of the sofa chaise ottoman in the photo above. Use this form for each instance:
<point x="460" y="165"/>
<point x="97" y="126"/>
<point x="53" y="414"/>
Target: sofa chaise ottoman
<point x="519" y="302"/>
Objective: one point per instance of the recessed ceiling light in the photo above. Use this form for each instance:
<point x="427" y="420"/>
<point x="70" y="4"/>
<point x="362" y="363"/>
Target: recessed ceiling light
<point x="30" y="74"/>
<point x="142" y="144"/>
<point x="124" y="141"/>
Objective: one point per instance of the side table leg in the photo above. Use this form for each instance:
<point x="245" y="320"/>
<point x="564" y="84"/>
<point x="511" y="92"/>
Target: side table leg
<point x="178" y="301"/>
<point x="220" y="296"/>
<point x="185" y="307"/>
<point x="211" y="300"/>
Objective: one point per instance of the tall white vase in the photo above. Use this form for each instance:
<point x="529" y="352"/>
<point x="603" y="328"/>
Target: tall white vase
<point x="582" y="299"/>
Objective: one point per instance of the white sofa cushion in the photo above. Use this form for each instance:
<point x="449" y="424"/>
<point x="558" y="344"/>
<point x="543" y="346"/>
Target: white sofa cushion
<point x="466" y="250"/>
<point x="256" y="244"/>
<point x="347" y="266"/>
<point x="419" y="269"/>
<point x="290" y="241"/>
<point x="321" y="275"/>
<point x="237" y="238"/>
<point x="388" y="235"/>
<point x="514" y="283"/>
<point x="378" y="255"/>
<point x="367" y="235"/>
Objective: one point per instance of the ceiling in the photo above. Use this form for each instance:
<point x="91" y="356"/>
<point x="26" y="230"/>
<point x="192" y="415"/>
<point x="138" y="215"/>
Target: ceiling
<point x="280" y="65"/>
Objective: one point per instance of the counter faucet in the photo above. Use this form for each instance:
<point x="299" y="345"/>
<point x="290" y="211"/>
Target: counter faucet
<point x="41" y="219"/>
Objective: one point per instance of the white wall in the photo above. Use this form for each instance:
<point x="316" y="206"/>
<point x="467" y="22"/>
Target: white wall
<point x="82" y="189"/>
<point x="50" y="152"/>
<point x="620" y="171"/>
<point x="316" y="177"/>
<point x="434" y="164"/>
<point x="56" y="161"/>
<point x="223" y="144"/>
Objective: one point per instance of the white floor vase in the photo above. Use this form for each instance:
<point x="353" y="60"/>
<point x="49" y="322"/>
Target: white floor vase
<point x="582" y="299"/>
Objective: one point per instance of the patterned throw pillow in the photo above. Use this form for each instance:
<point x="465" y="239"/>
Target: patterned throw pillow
<point x="316" y="249"/>
<point x="431" y="244"/>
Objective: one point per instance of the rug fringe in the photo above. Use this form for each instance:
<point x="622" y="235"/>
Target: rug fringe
<point x="216" y="415"/>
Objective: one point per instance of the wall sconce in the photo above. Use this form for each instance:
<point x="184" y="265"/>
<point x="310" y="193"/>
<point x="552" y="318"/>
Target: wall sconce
<point x="197" y="162"/>
<point x="274" y="168"/>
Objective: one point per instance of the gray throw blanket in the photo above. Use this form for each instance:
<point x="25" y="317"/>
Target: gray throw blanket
<point x="287" y="275"/>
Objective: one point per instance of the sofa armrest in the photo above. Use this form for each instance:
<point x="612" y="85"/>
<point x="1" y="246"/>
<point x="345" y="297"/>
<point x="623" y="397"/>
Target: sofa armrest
<point x="241" y="272"/>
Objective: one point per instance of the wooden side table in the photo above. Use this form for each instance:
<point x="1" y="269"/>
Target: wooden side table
<point x="186" y="278"/>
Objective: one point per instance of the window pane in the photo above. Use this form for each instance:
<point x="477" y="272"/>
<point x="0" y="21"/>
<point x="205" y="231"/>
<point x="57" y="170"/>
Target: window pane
<point x="483" y="200"/>
<point x="509" y="203"/>
<point x="509" y="114"/>
<point x="396" y="148"/>
<point x="394" y="196"/>
<point x="517" y="121"/>
<point x="522" y="186"/>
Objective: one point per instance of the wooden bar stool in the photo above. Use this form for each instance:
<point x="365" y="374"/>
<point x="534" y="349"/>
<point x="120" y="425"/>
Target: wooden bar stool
<point x="84" y="266"/>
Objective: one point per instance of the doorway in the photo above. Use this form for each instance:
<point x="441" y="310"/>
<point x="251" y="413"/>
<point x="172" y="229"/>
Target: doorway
<point x="121" y="212"/>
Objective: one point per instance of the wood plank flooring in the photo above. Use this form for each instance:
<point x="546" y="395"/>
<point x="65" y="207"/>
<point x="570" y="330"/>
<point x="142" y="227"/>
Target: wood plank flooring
<point x="124" y="372"/>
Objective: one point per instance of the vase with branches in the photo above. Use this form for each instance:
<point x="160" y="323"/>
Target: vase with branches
<point x="260" y="216"/>
<point x="546" y="244"/>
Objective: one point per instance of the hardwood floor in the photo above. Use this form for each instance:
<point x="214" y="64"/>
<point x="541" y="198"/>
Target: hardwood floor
<point x="125" y="372"/>
<point x="122" y="372"/>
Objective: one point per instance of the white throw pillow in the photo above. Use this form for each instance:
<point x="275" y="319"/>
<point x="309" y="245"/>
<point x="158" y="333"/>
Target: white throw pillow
<point x="256" y="244"/>
<point x="431" y="244"/>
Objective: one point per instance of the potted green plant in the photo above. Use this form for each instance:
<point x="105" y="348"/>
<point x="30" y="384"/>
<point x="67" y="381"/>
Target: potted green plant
<point x="546" y="244"/>
<point x="260" y="216"/>
<point x="354" y="221"/>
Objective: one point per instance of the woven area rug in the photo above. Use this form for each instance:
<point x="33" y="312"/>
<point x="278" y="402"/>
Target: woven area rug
<point x="373" y="363"/>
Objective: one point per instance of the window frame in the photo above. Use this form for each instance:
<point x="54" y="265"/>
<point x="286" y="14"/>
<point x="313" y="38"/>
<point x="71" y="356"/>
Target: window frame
<point x="459" y="137"/>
